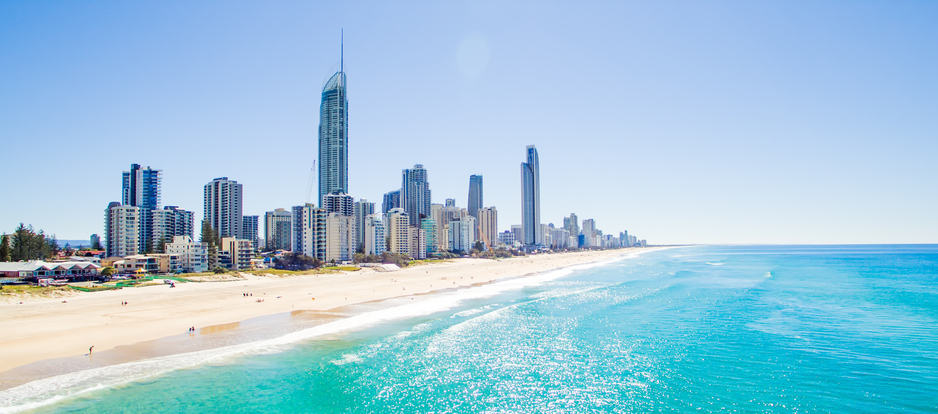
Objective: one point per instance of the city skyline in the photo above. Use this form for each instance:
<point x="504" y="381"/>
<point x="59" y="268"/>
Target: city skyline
<point x="709" y="138"/>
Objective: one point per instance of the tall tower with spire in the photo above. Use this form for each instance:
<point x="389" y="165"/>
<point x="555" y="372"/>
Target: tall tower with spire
<point x="333" y="132"/>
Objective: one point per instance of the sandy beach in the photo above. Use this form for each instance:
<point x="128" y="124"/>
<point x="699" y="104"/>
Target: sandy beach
<point x="45" y="328"/>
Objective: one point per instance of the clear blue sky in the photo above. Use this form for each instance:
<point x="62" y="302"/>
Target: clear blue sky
<point x="682" y="122"/>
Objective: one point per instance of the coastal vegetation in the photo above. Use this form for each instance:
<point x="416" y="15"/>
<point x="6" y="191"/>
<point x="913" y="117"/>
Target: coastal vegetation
<point x="27" y="244"/>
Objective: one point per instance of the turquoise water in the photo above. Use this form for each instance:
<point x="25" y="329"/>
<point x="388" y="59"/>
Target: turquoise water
<point x="846" y="329"/>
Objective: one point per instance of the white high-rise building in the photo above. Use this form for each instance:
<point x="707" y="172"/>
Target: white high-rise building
<point x="122" y="230"/>
<point x="399" y="231"/>
<point x="589" y="233"/>
<point x="223" y="207"/>
<point x="309" y="231"/>
<point x="340" y="237"/>
<point x="168" y="223"/>
<point x="462" y="234"/>
<point x="192" y="256"/>
<point x="375" y="234"/>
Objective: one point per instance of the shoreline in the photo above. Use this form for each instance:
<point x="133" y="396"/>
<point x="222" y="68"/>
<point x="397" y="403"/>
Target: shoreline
<point x="40" y="333"/>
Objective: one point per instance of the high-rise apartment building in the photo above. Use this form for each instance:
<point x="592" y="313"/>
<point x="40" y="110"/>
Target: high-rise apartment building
<point x="589" y="233"/>
<point x="309" y="231"/>
<point x="450" y="202"/>
<point x="168" y="223"/>
<point x="333" y="134"/>
<point x="428" y="227"/>
<point x="250" y="231"/>
<point x="121" y="230"/>
<point x="572" y="225"/>
<point x="462" y="234"/>
<point x="392" y="200"/>
<point x="488" y="226"/>
<point x="140" y="187"/>
<point x="475" y="195"/>
<point x="415" y="194"/>
<point x="399" y="231"/>
<point x="531" y="199"/>
<point x="337" y="202"/>
<point x="223" y="200"/>
<point x="375" y="234"/>
<point x="340" y="237"/>
<point x="363" y="209"/>
<point x="278" y="230"/>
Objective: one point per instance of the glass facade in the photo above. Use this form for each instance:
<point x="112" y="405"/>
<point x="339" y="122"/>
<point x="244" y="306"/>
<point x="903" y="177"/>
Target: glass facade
<point x="333" y="137"/>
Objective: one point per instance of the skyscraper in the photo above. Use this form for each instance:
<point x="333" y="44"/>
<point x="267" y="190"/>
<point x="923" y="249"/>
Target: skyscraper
<point x="223" y="207"/>
<point x="415" y="194"/>
<point x="278" y="230"/>
<point x="333" y="134"/>
<point x="337" y="202"/>
<point x="168" y="223"/>
<point x="250" y="229"/>
<point x="531" y="199"/>
<point x="392" y="200"/>
<point x="572" y="225"/>
<point x="475" y="195"/>
<point x="141" y="188"/>
<point x="121" y="230"/>
<point x="363" y="209"/>
<point x="309" y="231"/>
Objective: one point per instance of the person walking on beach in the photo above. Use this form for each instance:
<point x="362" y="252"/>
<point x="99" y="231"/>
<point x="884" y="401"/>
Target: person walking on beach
<point x="89" y="349"/>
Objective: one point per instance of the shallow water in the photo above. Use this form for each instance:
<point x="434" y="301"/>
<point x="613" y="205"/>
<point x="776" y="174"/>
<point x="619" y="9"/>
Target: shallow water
<point x="712" y="329"/>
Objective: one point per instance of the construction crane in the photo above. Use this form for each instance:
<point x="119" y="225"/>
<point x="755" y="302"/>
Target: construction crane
<point x="309" y="182"/>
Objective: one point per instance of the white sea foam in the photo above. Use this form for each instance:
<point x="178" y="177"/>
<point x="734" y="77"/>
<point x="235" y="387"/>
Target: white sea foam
<point x="715" y="264"/>
<point x="54" y="389"/>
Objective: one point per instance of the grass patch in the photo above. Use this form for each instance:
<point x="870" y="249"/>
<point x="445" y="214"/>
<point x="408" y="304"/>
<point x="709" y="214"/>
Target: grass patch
<point x="280" y="272"/>
<point x="343" y="268"/>
<point x="29" y="290"/>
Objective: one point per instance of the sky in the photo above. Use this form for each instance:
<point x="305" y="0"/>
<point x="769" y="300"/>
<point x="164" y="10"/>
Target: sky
<point x="682" y="121"/>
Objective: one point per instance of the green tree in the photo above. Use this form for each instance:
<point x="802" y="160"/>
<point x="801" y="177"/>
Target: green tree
<point x="208" y="237"/>
<point x="29" y="245"/>
<point x="5" y="251"/>
<point x="479" y="246"/>
<point x="108" y="271"/>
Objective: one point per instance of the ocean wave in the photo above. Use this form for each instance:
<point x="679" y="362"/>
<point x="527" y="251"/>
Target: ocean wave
<point x="715" y="263"/>
<point x="51" y="390"/>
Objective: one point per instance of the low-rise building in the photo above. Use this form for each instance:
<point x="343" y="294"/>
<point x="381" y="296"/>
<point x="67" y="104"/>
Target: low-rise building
<point x="192" y="256"/>
<point x="235" y="254"/>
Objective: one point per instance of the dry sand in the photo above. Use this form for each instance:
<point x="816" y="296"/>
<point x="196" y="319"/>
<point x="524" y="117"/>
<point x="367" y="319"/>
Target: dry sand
<point x="44" y="328"/>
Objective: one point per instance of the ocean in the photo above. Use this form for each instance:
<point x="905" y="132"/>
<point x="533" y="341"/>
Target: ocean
<point x="760" y="329"/>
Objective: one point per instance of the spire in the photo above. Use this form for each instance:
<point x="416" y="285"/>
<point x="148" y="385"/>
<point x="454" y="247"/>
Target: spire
<point x="342" y="53"/>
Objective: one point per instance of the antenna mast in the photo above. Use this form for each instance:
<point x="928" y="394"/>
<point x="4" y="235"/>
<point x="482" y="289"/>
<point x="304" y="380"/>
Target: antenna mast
<point x="342" y="53"/>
